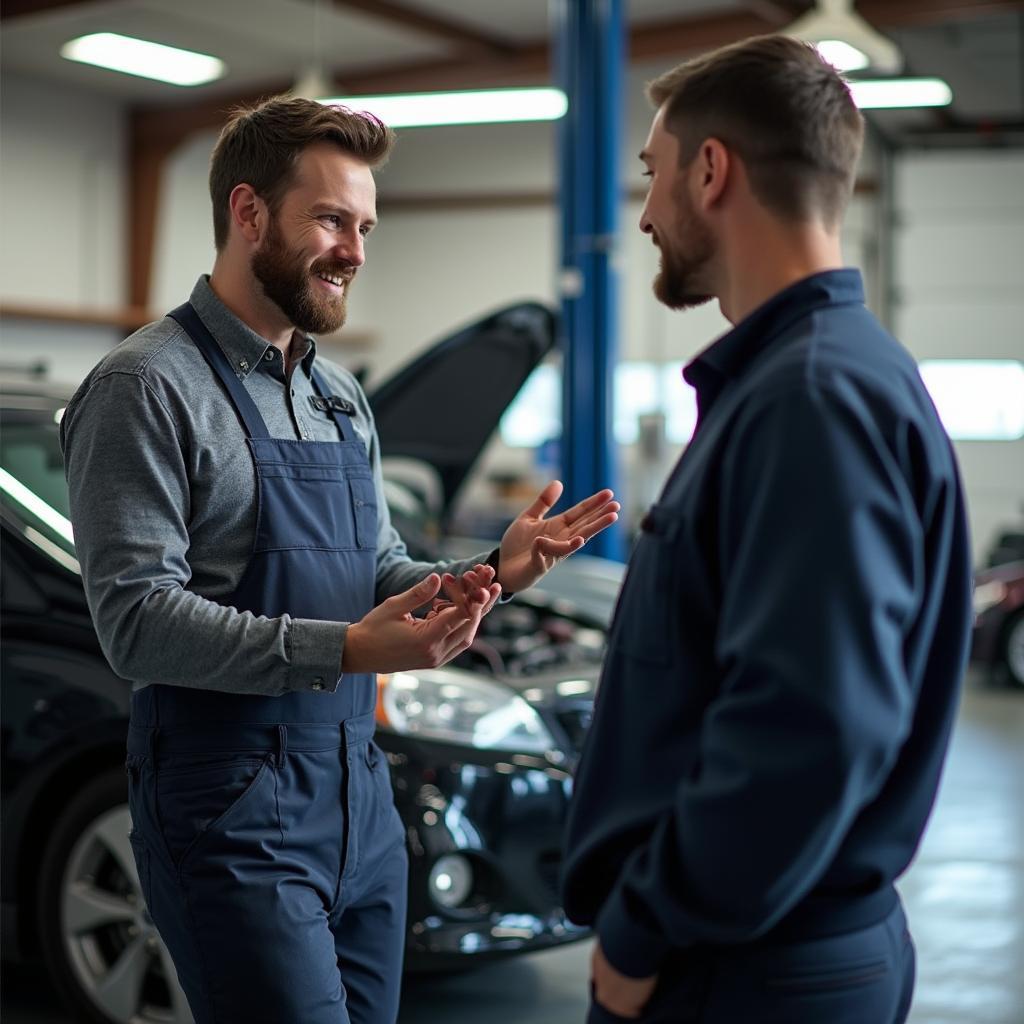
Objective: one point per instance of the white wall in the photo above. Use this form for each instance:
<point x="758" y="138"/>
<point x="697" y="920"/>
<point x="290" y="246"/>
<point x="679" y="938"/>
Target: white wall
<point x="958" y="292"/>
<point x="62" y="187"/>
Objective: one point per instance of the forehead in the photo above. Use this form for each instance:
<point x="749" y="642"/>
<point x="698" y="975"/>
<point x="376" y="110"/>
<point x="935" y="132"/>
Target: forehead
<point x="661" y="143"/>
<point x="323" y="173"/>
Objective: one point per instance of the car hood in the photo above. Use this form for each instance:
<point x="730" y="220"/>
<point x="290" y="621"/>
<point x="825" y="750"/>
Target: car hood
<point x="443" y="407"/>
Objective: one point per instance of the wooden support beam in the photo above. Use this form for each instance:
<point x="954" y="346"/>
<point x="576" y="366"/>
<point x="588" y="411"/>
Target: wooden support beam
<point x="885" y="14"/>
<point x="145" y="177"/>
<point x="125" y="319"/>
<point x="26" y="8"/>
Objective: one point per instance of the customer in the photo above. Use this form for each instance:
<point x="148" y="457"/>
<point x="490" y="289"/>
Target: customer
<point x="785" y="659"/>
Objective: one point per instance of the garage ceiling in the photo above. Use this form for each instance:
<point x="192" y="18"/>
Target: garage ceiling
<point x="388" y="45"/>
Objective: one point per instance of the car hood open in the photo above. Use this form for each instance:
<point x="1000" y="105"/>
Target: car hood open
<point x="443" y="407"/>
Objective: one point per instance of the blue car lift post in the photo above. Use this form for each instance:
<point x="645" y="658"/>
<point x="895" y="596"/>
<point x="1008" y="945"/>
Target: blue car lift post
<point x="589" y="57"/>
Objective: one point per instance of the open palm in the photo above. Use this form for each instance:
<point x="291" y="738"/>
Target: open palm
<point x="533" y="544"/>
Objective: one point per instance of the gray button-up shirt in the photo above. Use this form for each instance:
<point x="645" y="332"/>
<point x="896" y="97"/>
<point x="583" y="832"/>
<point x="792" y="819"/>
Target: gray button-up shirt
<point x="163" y="502"/>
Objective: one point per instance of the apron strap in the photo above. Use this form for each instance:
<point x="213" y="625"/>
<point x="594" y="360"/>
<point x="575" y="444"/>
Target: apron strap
<point x="195" y="328"/>
<point x="341" y="409"/>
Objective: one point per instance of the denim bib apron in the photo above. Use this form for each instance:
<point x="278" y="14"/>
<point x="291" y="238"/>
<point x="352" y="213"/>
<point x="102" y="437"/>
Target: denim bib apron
<point x="269" y="850"/>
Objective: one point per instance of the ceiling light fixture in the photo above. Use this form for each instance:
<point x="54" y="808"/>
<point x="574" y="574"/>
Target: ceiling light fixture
<point x="312" y="83"/>
<point x="845" y="39"/>
<point x="143" y="58"/>
<point x="842" y="56"/>
<point x="488" y="106"/>
<point x="882" y="93"/>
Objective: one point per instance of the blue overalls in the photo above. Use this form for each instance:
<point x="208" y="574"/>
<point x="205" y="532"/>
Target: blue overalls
<point x="269" y="850"/>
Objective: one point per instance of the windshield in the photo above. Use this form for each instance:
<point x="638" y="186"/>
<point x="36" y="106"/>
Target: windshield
<point x="32" y="485"/>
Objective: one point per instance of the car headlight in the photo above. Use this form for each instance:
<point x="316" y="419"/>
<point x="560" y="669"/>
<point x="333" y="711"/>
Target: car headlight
<point x="986" y="595"/>
<point x="459" y="707"/>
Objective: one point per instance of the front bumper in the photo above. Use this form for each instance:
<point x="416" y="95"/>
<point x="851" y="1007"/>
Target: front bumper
<point x="505" y="815"/>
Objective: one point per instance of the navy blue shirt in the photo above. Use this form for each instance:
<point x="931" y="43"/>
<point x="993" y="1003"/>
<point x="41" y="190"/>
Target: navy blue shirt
<point x="784" y="663"/>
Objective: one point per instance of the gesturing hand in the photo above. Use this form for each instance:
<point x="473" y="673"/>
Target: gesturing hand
<point x="471" y="588"/>
<point x="532" y="545"/>
<point x="391" y="639"/>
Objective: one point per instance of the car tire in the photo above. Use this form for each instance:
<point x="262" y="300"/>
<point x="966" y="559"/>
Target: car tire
<point x="1012" y="652"/>
<point x="102" y="951"/>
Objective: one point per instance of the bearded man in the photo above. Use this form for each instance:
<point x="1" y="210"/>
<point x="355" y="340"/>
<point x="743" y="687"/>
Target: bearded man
<point x="784" y="663"/>
<point x="242" y="571"/>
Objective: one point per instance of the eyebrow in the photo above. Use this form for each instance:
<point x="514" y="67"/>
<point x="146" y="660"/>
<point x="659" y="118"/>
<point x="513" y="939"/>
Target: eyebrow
<point x="334" y="208"/>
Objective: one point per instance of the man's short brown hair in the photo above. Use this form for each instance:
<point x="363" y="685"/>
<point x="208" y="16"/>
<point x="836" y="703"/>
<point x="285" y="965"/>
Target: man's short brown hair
<point x="260" y="146"/>
<point x="787" y="114"/>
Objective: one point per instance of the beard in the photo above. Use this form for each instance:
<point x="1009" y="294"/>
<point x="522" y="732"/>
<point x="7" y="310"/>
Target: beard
<point x="678" y="283"/>
<point x="289" y="285"/>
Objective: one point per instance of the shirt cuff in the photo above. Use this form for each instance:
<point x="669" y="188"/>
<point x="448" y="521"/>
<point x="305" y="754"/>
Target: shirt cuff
<point x="629" y="947"/>
<point x="492" y="560"/>
<point x="316" y="648"/>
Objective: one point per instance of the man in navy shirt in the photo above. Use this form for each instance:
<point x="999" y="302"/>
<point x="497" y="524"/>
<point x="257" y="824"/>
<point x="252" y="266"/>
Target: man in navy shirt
<point x="785" y="659"/>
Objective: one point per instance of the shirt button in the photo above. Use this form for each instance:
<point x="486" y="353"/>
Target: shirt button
<point x="243" y="364"/>
<point x="269" y="354"/>
<point x="318" y="683"/>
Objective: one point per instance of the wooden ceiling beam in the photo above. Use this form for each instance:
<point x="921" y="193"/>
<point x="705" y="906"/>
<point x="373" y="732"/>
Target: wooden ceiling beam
<point x="885" y="14"/>
<point x="26" y="8"/>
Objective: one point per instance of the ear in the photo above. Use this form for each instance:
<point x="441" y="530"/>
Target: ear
<point x="713" y="167"/>
<point x="249" y="213"/>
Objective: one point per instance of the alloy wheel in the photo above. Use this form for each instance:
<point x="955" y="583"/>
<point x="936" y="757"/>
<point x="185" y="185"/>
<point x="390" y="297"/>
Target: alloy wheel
<point x="111" y="943"/>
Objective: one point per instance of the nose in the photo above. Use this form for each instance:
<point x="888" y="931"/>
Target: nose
<point x="349" y="249"/>
<point x="645" y="224"/>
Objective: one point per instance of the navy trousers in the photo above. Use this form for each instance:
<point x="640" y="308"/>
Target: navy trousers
<point x="862" y="977"/>
<point x="268" y="917"/>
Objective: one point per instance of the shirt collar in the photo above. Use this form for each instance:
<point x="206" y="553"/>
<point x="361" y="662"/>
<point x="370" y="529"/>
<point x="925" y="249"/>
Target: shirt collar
<point x="731" y="354"/>
<point x="244" y="348"/>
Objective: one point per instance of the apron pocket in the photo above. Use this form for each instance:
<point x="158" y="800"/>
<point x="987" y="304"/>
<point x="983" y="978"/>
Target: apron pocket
<point x="200" y="799"/>
<point x="364" y="510"/>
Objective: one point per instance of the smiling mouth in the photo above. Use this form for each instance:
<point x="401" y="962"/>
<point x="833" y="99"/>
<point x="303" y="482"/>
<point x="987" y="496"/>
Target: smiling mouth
<point x="337" y="280"/>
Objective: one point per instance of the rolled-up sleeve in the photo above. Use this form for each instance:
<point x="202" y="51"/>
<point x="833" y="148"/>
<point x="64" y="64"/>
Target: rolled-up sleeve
<point x="820" y="552"/>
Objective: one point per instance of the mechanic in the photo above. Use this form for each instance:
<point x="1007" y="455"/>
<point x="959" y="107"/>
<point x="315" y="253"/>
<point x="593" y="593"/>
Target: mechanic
<point x="785" y="659"/>
<point x="242" y="571"/>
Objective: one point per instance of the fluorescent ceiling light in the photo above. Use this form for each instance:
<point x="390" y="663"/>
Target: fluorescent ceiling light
<point x="144" y="59"/>
<point x="835" y="21"/>
<point x="901" y="92"/>
<point x="842" y="56"/>
<point x="490" y="106"/>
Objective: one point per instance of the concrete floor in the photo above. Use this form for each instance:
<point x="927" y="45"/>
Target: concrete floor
<point x="964" y="896"/>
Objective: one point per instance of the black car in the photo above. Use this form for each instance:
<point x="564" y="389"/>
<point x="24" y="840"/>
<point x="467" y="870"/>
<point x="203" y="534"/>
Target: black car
<point x="481" y="751"/>
<point x="998" y="637"/>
